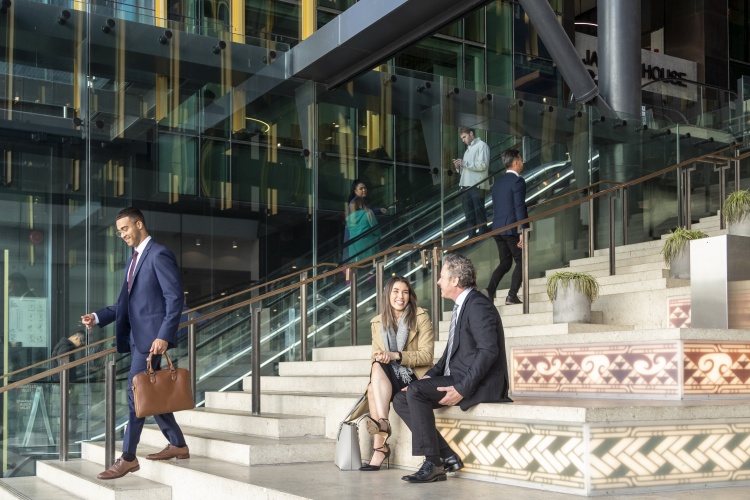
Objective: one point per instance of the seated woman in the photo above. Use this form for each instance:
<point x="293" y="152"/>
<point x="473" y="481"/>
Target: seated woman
<point x="403" y="346"/>
<point x="364" y="242"/>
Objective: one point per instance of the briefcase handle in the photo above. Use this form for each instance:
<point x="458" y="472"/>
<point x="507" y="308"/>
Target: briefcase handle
<point x="152" y="373"/>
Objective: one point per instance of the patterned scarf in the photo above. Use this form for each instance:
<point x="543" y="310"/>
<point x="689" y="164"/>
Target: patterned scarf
<point x="398" y="339"/>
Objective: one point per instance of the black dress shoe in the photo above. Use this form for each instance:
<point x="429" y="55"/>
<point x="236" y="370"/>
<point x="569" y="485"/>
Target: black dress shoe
<point x="512" y="300"/>
<point x="453" y="463"/>
<point x="428" y="473"/>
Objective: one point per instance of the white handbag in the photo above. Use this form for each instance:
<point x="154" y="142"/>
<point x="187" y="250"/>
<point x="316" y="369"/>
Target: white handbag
<point x="348" y="456"/>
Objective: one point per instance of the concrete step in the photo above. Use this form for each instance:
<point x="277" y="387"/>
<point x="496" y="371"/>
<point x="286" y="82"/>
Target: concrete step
<point x="340" y="368"/>
<point x="244" y="449"/>
<point x="78" y="477"/>
<point x="561" y="329"/>
<point x="354" y="352"/>
<point x="204" y="477"/>
<point x="24" y="488"/>
<point x="333" y="407"/>
<point x="541" y="319"/>
<point x="604" y="270"/>
<point x="323" y="481"/>
<point x="629" y="287"/>
<point x="604" y="263"/>
<point x="342" y="353"/>
<point x="333" y="385"/>
<point x="266" y="425"/>
<point x="539" y="285"/>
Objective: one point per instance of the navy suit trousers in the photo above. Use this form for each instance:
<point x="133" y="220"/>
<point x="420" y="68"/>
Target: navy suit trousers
<point x="166" y="422"/>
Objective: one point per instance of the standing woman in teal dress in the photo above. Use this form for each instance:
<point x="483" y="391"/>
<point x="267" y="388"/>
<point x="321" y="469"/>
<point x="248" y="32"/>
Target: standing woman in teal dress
<point x="360" y="221"/>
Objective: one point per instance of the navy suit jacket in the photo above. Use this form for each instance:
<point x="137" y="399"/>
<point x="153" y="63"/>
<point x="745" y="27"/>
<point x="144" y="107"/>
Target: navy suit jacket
<point x="478" y="363"/>
<point x="509" y="202"/>
<point x="153" y="307"/>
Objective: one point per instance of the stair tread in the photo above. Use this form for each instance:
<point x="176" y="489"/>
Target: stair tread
<point x="34" y="487"/>
<point x="246" y="439"/>
<point x="575" y="409"/>
<point x="241" y="413"/>
<point x="85" y="470"/>
<point x="630" y="336"/>
<point x="322" y="481"/>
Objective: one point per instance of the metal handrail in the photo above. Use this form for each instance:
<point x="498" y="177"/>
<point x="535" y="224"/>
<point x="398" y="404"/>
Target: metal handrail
<point x="619" y="187"/>
<point x="54" y="358"/>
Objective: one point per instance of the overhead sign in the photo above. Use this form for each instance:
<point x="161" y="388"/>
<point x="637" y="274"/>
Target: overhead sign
<point x="654" y="66"/>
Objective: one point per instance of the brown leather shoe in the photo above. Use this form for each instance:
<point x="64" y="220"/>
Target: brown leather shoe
<point x="170" y="452"/>
<point x="119" y="469"/>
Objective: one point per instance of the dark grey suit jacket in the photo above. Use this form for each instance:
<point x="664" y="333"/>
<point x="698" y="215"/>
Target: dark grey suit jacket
<point x="478" y="363"/>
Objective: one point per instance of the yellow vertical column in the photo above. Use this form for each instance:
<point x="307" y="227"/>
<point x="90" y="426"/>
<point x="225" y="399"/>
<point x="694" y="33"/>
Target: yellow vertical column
<point x="238" y="36"/>
<point x="308" y="18"/>
<point x="160" y="12"/>
<point x="79" y="73"/>
<point x="238" y="21"/>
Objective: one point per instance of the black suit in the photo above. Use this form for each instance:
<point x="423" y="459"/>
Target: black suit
<point x="478" y="372"/>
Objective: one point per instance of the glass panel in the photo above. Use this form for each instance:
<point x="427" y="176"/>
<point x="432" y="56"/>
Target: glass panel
<point x="277" y="21"/>
<point x="340" y="5"/>
<point x="739" y="45"/>
<point x="435" y="56"/>
<point x="474" y="26"/>
<point x="454" y="29"/>
<point x="474" y="67"/>
<point x="500" y="48"/>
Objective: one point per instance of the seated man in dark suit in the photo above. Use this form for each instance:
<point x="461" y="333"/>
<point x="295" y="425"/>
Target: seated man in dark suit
<point x="472" y="370"/>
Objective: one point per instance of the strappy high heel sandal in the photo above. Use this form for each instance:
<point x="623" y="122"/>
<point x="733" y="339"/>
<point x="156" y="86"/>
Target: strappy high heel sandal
<point x="385" y="450"/>
<point x="374" y="427"/>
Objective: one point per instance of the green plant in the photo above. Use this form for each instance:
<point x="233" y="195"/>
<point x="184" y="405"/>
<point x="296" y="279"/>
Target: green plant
<point x="677" y="239"/>
<point x="583" y="282"/>
<point x="736" y="206"/>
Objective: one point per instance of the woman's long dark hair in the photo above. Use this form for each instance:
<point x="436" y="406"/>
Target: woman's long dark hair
<point x="388" y="315"/>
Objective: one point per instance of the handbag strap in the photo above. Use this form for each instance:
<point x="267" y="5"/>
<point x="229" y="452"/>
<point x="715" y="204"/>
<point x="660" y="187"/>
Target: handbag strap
<point x="149" y="368"/>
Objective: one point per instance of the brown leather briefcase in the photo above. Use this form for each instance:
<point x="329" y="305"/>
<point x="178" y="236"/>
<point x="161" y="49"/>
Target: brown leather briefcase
<point x="162" y="391"/>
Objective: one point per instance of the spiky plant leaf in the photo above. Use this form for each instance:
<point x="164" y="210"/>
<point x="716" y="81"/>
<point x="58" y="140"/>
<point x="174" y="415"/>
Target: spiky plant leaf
<point x="583" y="282"/>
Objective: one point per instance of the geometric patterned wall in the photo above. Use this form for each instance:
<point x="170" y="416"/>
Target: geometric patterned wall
<point x="716" y="368"/>
<point x="673" y="369"/>
<point x="662" y="455"/>
<point x="531" y="453"/>
<point x="621" y="458"/>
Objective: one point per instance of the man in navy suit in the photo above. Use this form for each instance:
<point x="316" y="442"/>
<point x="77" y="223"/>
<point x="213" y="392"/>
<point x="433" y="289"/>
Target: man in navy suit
<point x="146" y="317"/>
<point x="472" y="370"/>
<point x="509" y="204"/>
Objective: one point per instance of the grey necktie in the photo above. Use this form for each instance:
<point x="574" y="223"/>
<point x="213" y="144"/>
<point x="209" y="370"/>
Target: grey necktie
<point x="451" y="335"/>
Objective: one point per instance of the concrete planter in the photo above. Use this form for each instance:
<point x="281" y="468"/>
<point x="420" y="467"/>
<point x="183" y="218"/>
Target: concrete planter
<point x="571" y="306"/>
<point x="741" y="228"/>
<point x="679" y="268"/>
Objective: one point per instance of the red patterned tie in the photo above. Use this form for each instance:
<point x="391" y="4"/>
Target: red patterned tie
<point x="132" y="269"/>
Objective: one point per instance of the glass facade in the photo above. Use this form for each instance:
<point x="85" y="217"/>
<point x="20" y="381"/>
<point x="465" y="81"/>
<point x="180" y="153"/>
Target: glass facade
<point x="184" y="109"/>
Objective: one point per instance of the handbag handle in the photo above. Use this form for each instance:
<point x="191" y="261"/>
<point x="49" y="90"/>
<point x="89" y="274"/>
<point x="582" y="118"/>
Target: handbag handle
<point x="152" y="373"/>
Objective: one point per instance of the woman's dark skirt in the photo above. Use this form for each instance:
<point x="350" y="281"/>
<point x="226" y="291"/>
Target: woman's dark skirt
<point x="396" y="383"/>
